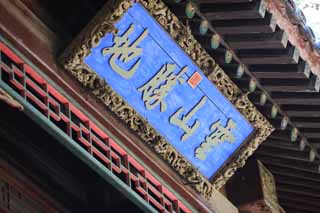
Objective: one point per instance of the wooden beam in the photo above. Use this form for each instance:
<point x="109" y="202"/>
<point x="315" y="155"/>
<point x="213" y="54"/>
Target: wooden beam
<point x="307" y="124"/>
<point x="311" y="133"/>
<point x="314" y="141"/>
<point x="272" y="152"/>
<point x="289" y="107"/>
<point x="281" y="144"/>
<point x="290" y="55"/>
<point x="296" y="181"/>
<point x="247" y="26"/>
<point x="299" y="190"/>
<point x="277" y="40"/>
<point x="299" y="207"/>
<point x="230" y="15"/>
<point x="289" y="88"/>
<point x="281" y="135"/>
<point x="291" y="210"/>
<point x="282" y="71"/>
<point x="284" y="171"/>
<point x="273" y="74"/>
<point x="287" y="196"/>
<point x="223" y="1"/>
<point x="303" y="114"/>
<point x="298" y="101"/>
<point x="280" y="75"/>
<point x="253" y="10"/>
<point x="292" y="86"/>
<point x="298" y="165"/>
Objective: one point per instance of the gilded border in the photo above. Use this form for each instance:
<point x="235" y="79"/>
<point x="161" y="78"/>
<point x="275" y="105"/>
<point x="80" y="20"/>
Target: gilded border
<point x="72" y="60"/>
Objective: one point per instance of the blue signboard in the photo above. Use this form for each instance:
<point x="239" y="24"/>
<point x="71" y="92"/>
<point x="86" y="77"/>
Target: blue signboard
<point x="145" y="66"/>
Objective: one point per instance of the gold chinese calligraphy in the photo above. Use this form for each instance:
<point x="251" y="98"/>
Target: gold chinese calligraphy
<point x="125" y="52"/>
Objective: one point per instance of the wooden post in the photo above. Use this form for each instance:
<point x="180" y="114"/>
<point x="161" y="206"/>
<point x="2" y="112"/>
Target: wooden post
<point x="252" y="189"/>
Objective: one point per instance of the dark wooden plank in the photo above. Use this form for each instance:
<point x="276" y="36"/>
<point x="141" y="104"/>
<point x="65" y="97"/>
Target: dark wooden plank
<point x="280" y="75"/>
<point x="283" y="154"/>
<point x="230" y="15"/>
<point x="253" y="10"/>
<point x="307" y="124"/>
<point x="300" y="207"/>
<point x="296" y="181"/>
<point x="311" y="134"/>
<point x="299" y="95"/>
<point x="314" y="141"/>
<point x="298" y="101"/>
<point x="281" y="144"/>
<point x="298" y="165"/>
<point x="290" y="70"/>
<point x="303" y="114"/>
<point x="241" y="14"/>
<point x="284" y="196"/>
<point x="245" y="28"/>
<point x="299" y="190"/>
<point x="287" y="172"/>
<point x="278" y="40"/>
<point x="290" y="55"/>
<point x="291" y="88"/>
<point x="281" y="136"/>
<point x="298" y="107"/>
<point x="293" y="210"/>
<point x="273" y="75"/>
<point x="269" y="59"/>
<point x="250" y="44"/>
<point x="302" y="158"/>
<point x="267" y="25"/>
<point x="223" y="1"/>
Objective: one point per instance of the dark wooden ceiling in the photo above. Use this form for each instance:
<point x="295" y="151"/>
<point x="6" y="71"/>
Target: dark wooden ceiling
<point x="259" y="44"/>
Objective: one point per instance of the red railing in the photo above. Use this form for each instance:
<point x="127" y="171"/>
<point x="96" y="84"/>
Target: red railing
<point x="77" y="126"/>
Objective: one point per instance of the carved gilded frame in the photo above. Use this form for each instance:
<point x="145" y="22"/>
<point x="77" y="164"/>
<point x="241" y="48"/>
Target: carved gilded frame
<point x="103" y="23"/>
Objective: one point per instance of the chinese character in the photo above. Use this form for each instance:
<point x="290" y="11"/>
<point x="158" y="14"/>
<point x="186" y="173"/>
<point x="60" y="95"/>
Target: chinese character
<point x="125" y="52"/>
<point x="219" y="134"/>
<point x="183" y="123"/>
<point x="156" y="89"/>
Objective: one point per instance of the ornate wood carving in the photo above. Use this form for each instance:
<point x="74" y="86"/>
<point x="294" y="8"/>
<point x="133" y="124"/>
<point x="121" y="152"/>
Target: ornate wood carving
<point x="72" y="60"/>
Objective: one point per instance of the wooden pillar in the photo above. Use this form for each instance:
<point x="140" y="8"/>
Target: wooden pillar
<point x="252" y="189"/>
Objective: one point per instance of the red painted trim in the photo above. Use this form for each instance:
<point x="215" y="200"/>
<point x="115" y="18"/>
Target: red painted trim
<point x="58" y="110"/>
